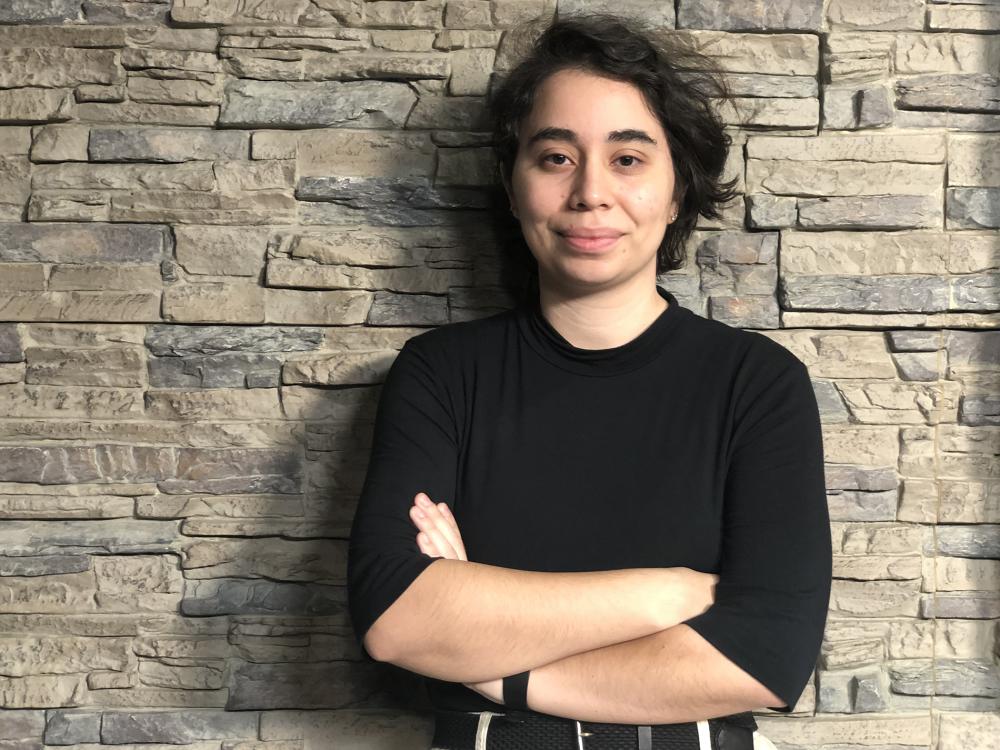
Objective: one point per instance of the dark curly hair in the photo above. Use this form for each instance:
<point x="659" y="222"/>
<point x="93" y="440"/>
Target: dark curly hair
<point x="678" y="84"/>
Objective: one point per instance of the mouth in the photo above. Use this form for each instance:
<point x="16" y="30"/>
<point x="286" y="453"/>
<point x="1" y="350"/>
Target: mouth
<point x="589" y="244"/>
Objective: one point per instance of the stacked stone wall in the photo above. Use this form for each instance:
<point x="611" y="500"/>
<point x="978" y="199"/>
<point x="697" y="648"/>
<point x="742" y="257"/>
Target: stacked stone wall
<point x="221" y="219"/>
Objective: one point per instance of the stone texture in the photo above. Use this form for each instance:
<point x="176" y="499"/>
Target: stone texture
<point x="176" y="727"/>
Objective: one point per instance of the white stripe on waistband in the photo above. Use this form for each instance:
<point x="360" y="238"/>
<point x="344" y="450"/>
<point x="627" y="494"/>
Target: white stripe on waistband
<point x="704" y="738"/>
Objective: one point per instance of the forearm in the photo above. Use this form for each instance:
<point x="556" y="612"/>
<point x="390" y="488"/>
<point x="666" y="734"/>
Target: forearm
<point x="673" y="675"/>
<point x="462" y="621"/>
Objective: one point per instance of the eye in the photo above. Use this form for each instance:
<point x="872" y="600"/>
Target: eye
<point x="634" y="159"/>
<point x="557" y="156"/>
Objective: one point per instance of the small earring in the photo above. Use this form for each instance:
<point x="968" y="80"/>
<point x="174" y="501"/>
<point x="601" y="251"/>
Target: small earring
<point x="673" y="218"/>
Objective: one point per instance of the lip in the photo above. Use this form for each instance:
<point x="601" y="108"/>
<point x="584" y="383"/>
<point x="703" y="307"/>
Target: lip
<point x="591" y="240"/>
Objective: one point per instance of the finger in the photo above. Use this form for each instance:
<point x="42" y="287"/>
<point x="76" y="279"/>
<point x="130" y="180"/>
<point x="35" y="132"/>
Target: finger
<point x="427" y="526"/>
<point x="445" y="526"/>
<point x="457" y="542"/>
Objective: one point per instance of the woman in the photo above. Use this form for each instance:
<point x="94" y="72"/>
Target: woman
<point x="597" y="520"/>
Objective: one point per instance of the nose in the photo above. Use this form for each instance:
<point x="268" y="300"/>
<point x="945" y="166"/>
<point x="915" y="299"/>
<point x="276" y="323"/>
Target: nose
<point x="591" y="187"/>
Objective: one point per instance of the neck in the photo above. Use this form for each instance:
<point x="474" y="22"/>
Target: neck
<point x="601" y="319"/>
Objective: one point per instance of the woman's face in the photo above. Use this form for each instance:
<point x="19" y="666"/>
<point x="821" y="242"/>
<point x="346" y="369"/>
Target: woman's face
<point x="592" y="160"/>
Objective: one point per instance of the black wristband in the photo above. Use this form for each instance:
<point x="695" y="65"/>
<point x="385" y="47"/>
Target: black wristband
<point x="515" y="690"/>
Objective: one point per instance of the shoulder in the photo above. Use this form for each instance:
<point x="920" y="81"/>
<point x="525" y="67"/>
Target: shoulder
<point x="456" y="340"/>
<point x="747" y="351"/>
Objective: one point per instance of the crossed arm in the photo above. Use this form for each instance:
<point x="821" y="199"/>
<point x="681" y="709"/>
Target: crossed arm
<point x="638" y="665"/>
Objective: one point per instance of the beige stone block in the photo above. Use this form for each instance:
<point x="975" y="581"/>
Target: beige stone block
<point x="402" y="14"/>
<point x="12" y="372"/>
<point x="221" y="250"/>
<point x="68" y="277"/>
<point x="889" y="15"/>
<point x="36" y="105"/>
<point x="843" y="178"/>
<point x="902" y="403"/>
<point x="60" y="143"/>
<point x="864" y="253"/>
<point x="770" y="112"/>
<point x="470" y="71"/>
<point x="14" y="140"/>
<point x="197" y="676"/>
<point x="964" y="639"/>
<point x="962" y="731"/>
<point x="168" y="647"/>
<point x="450" y="39"/>
<point x="963" y="574"/>
<point x="777" y="54"/>
<point x="109" y="366"/>
<point x="342" y="368"/>
<point x="88" y="176"/>
<point x="213" y="403"/>
<point x="848" y="354"/>
<point x="319" y="561"/>
<point x="965" y="501"/>
<point x="214" y="302"/>
<point x="274" y="144"/>
<point x="69" y="593"/>
<point x="346" y="404"/>
<point x="298" y="307"/>
<point x="188" y="207"/>
<point x="241" y="507"/>
<point x="875" y="598"/>
<point x="912" y="729"/>
<point x="235" y="177"/>
<point x="29" y="655"/>
<point x="910" y="639"/>
<point x="86" y="335"/>
<point x="925" y="148"/>
<point x="22" y="277"/>
<point x="974" y="160"/>
<point x="148" y="698"/>
<point x="882" y="538"/>
<point x="43" y="691"/>
<point x="14" y="186"/>
<point x="918" y="501"/>
<point x="963" y="17"/>
<point x="876" y="567"/>
<point x="80" y="306"/>
<point x="69" y="205"/>
<point x="863" y="445"/>
<point x="419" y="279"/>
<point x="47" y="401"/>
<point x="145" y="113"/>
<point x="365" y="153"/>
<point x="946" y="53"/>
<point x="53" y="67"/>
<point x="138" y="583"/>
<point x="827" y="319"/>
<point x="145" y="88"/>
<point x="844" y="655"/>
<point x="403" y="40"/>
<point x="65" y="506"/>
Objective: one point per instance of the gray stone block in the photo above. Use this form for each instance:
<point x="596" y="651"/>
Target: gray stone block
<point x="331" y="684"/>
<point x="183" y="341"/>
<point x="308" y="104"/>
<point x="43" y="565"/>
<point x="49" y="11"/>
<point x="778" y="15"/>
<point x="72" y="727"/>
<point x="258" y="597"/>
<point x="978" y="540"/>
<point x="973" y="207"/>
<point x="215" y="371"/>
<point x="165" y="145"/>
<point x="177" y="727"/>
<point x="901" y="293"/>
<point x="10" y="343"/>
<point x="83" y="243"/>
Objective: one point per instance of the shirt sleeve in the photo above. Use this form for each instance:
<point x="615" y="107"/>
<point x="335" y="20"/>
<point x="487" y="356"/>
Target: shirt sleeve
<point x="414" y="449"/>
<point x="772" y="597"/>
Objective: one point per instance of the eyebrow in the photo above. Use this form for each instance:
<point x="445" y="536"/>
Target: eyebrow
<point x="615" y="136"/>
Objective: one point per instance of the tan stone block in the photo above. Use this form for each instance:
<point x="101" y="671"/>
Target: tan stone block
<point x="963" y="574"/>
<point x="968" y="501"/>
<point x="52" y="67"/>
<point x="471" y="70"/>
<point x="235" y="177"/>
<point x="194" y="676"/>
<point x="214" y="403"/>
<point x="425" y="14"/>
<point x="214" y="302"/>
<point x="864" y="253"/>
<point x="12" y="372"/>
<point x="274" y="144"/>
<point x="866" y="446"/>
<point x="14" y="140"/>
<point x="80" y="306"/>
<point x="778" y="54"/>
<point x="912" y="729"/>
<point x="843" y="655"/>
<point x="974" y="160"/>
<point x="926" y="148"/>
<point x="139" y="697"/>
<point x="14" y="186"/>
<point x="188" y="207"/>
<point x="22" y="277"/>
<point x="36" y="105"/>
<point x="345" y="404"/>
<point x="918" y="501"/>
<point x="843" y="178"/>
<point x="221" y="250"/>
<point x="889" y="15"/>
<point x="65" y="506"/>
<point x="44" y="401"/>
<point x="964" y="639"/>
<point x="66" y="277"/>
<point x="963" y="17"/>
<point x="946" y="53"/>
<point x="342" y="368"/>
<point x="771" y="112"/>
<point x="910" y="639"/>
<point x="403" y="40"/>
<point x="827" y="319"/>
<point x="319" y="561"/>
<point x="407" y="280"/>
<point x="962" y="731"/>
<point x="877" y="567"/>
<point x="168" y="647"/>
<point x="365" y="153"/>
<point x="69" y="205"/>
<point x="88" y="176"/>
<point x="42" y="691"/>
<point x="228" y="506"/>
<point x="882" y="538"/>
<point x="875" y="598"/>
<point x="83" y="336"/>
<point x="138" y="583"/>
<point x="69" y="593"/>
<point x="901" y="403"/>
<point x="144" y="113"/>
<point x="298" y="307"/>
<point x="27" y="655"/>
<point x="144" y="88"/>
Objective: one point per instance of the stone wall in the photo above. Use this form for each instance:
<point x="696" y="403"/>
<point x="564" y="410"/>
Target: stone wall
<point x="220" y="219"/>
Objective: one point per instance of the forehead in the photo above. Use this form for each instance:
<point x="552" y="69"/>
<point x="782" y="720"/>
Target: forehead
<point x="590" y="105"/>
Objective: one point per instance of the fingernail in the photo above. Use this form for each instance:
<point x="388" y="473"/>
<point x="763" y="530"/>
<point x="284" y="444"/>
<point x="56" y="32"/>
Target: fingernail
<point x="419" y="513"/>
<point x="422" y="500"/>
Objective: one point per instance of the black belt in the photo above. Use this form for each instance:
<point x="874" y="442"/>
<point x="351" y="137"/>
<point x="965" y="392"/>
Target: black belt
<point x="520" y="730"/>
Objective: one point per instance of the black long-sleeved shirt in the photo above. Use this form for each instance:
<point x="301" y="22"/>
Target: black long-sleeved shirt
<point x="695" y="444"/>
